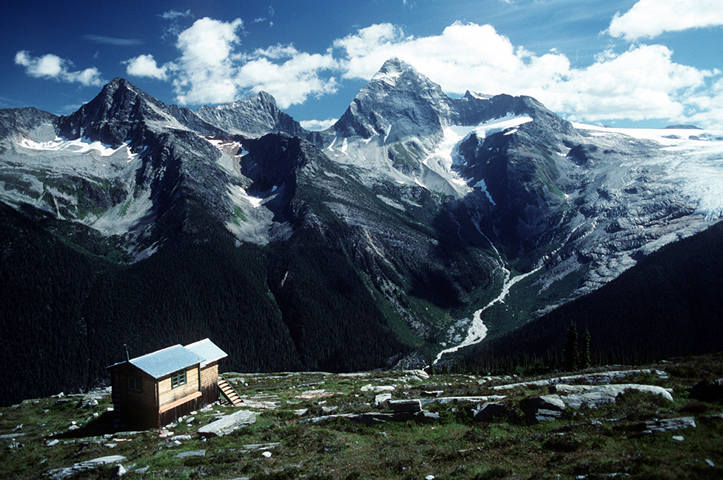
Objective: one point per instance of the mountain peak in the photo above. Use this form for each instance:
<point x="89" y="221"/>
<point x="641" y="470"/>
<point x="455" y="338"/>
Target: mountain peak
<point x="395" y="69"/>
<point x="396" y="95"/>
<point x="119" y="84"/>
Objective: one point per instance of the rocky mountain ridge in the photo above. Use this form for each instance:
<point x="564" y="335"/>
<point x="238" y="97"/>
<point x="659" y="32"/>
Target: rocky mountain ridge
<point x="412" y="219"/>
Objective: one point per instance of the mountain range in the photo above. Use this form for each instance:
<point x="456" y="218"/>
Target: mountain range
<point x="416" y="226"/>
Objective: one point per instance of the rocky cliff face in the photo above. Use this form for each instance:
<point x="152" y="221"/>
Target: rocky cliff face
<point x="255" y="116"/>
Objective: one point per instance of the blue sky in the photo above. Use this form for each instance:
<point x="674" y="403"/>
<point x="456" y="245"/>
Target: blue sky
<point x="620" y="62"/>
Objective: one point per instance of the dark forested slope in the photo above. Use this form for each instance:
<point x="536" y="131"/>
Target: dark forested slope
<point x="670" y="303"/>
<point x="67" y="309"/>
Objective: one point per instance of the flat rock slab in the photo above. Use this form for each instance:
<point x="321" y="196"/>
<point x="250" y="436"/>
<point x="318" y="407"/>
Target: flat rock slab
<point x="590" y="378"/>
<point x="62" y="473"/>
<point x="457" y="400"/>
<point x="405" y="406"/>
<point x="191" y="453"/>
<point x="599" y="395"/>
<point x="665" y="425"/>
<point x="363" y="418"/>
<point x="228" y="424"/>
<point x="257" y="447"/>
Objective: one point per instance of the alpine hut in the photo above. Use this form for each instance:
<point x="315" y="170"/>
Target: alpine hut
<point x="157" y="388"/>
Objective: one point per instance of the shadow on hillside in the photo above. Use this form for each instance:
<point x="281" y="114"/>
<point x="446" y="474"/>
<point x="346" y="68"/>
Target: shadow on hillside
<point x="103" y="425"/>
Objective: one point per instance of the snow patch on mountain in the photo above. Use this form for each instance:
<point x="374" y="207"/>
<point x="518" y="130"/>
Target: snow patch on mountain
<point x="80" y="146"/>
<point x="508" y="123"/>
<point x="80" y="156"/>
<point x="483" y="187"/>
<point x="392" y="203"/>
<point x="251" y="221"/>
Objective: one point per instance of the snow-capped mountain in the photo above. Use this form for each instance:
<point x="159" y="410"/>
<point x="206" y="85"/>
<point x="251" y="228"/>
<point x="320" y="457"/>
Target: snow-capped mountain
<point x="417" y="223"/>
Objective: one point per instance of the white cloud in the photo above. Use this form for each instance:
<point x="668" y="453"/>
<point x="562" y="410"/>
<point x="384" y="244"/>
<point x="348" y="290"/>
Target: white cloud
<point x="706" y="107"/>
<point x="641" y="83"/>
<point x="290" y="81"/>
<point x="145" y="66"/>
<point x="207" y="64"/>
<point x="650" y="18"/>
<point x="317" y="125"/>
<point x="174" y="14"/>
<point x="210" y="70"/>
<point x="464" y="56"/>
<point x="54" y="67"/>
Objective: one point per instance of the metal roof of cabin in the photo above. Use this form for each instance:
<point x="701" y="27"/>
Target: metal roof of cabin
<point x="207" y="350"/>
<point x="166" y="361"/>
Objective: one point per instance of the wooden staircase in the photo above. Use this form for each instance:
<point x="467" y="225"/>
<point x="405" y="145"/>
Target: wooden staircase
<point x="229" y="396"/>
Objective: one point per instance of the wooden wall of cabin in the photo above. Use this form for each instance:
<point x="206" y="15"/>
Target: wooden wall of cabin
<point x="209" y="384"/>
<point x="167" y="394"/>
<point x="134" y="396"/>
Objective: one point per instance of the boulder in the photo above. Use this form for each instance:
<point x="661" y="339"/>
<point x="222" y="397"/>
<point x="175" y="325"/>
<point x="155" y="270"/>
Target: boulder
<point x="425" y="416"/>
<point x="382" y="400"/>
<point x="666" y="425"/>
<point x="707" y="391"/>
<point x="544" y="408"/>
<point x="118" y="471"/>
<point x="227" y="424"/>
<point x="488" y="411"/>
<point x="405" y="406"/>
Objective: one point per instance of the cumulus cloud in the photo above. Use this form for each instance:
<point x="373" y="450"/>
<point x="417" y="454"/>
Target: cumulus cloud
<point x="317" y="125"/>
<point x="206" y="69"/>
<point x="650" y="18"/>
<point x="638" y="84"/>
<point x="210" y="69"/>
<point x="291" y="78"/>
<point x="464" y="56"/>
<point x="51" y="66"/>
<point x="706" y="108"/>
<point x="146" y="66"/>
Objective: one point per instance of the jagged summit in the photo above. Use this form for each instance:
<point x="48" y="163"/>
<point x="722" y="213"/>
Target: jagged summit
<point x="121" y="110"/>
<point x="395" y="69"/>
<point x="254" y="116"/>
<point x="397" y="95"/>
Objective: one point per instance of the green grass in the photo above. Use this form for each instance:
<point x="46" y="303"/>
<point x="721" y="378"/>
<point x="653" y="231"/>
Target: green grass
<point x="455" y="447"/>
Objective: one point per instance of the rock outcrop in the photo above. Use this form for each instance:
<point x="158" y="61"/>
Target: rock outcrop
<point x="228" y="424"/>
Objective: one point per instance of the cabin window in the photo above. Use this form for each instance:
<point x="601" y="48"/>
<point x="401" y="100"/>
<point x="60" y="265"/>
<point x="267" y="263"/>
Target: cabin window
<point x="134" y="383"/>
<point x="178" y="379"/>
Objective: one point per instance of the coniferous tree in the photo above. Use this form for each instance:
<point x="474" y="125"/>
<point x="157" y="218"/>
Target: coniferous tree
<point x="585" y="359"/>
<point x="571" y="353"/>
